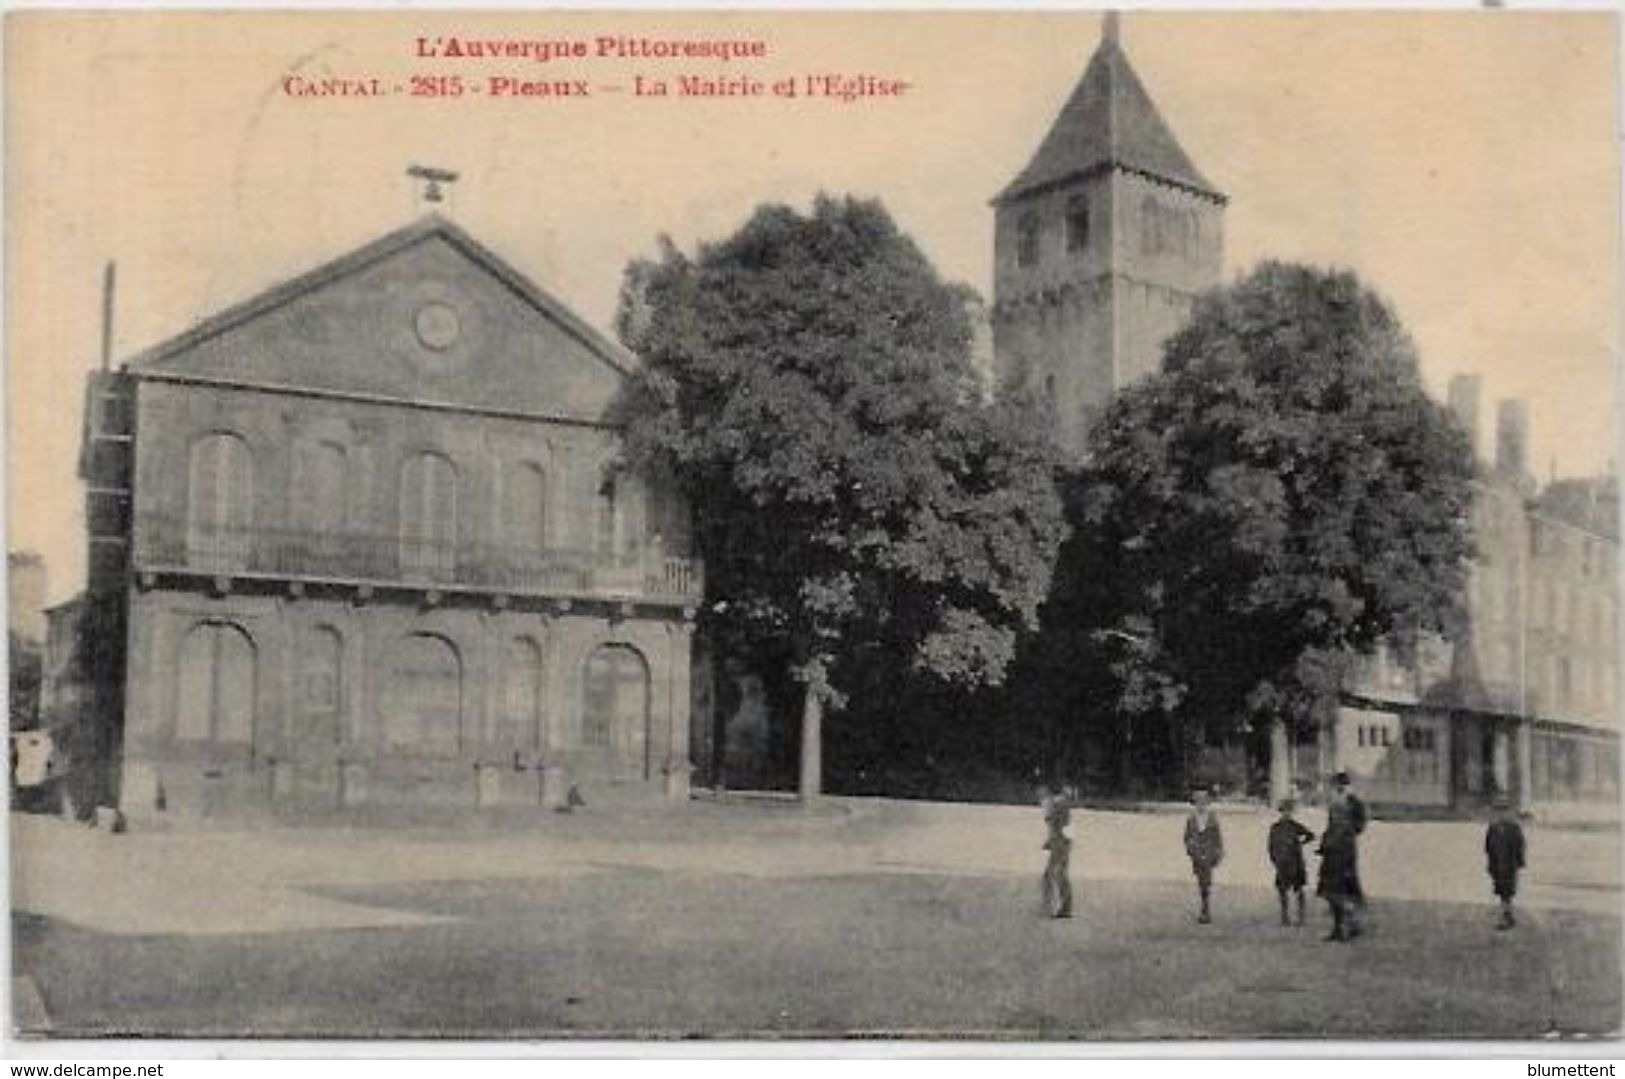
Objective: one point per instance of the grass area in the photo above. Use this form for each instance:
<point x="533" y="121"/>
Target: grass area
<point x="627" y="951"/>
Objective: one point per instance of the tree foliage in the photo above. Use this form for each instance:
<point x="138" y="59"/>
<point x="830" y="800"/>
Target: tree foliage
<point x="1282" y="494"/>
<point x="809" y="383"/>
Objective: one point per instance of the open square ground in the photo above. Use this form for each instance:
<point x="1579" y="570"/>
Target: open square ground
<point x="869" y="918"/>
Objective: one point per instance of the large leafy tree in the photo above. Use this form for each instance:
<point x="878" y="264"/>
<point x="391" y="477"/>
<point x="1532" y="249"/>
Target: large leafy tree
<point x="808" y="381"/>
<point x="1283" y="494"/>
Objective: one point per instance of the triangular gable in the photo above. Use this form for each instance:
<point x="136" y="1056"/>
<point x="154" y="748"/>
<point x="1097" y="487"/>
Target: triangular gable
<point x="425" y="313"/>
<point x="1109" y="121"/>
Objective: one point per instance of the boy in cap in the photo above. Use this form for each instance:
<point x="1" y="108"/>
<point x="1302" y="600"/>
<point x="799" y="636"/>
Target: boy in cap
<point x="1205" y="846"/>
<point x="1287" y="838"/>
<point x="1504" y="849"/>
<point x="1057" y="885"/>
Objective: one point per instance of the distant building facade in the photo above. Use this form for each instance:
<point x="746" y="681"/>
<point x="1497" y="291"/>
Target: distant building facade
<point x="373" y="543"/>
<point x="1524" y="700"/>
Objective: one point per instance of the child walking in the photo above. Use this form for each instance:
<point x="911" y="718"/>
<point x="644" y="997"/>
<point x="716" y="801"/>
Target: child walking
<point x="1205" y="847"/>
<point x="1504" y="849"/>
<point x="1057" y="885"/>
<point x="1287" y="839"/>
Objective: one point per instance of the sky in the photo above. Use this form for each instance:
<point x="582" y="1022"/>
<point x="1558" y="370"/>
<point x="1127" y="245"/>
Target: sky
<point x="1464" y="164"/>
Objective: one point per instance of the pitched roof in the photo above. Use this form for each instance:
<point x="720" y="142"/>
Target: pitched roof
<point x="1109" y="121"/>
<point x="425" y="228"/>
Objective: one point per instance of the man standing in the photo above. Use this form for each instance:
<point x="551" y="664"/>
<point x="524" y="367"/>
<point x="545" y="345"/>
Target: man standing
<point x="1504" y="851"/>
<point x="1205" y="846"/>
<point x="1057" y="884"/>
<point x="1339" y="882"/>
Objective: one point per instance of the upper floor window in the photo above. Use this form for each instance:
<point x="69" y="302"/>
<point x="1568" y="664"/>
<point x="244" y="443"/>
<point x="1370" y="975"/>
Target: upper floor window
<point x="428" y="515"/>
<point x="1077" y="223"/>
<point x="1027" y="239"/>
<point x="219" y="508"/>
<point x="668" y="517"/>
<point x="525" y="508"/>
<point x="603" y="532"/>
<point x="620" y="519"/>
<point x="1166" y="229"/>
<point x="319" y="482"/>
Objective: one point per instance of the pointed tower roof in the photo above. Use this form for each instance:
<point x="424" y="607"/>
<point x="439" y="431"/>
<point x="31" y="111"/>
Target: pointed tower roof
<point x="1109" y="121"/>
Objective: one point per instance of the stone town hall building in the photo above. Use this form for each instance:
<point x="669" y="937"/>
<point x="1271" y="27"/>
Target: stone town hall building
<point x="373" y="543"/>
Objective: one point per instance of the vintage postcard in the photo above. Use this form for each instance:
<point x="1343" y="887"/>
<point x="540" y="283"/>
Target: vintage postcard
<point x="1020" y="525"/>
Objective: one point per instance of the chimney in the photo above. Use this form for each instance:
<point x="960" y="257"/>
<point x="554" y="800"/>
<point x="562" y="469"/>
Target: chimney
<point x="1512" y="438"/>
<point x="1464" y="395"/>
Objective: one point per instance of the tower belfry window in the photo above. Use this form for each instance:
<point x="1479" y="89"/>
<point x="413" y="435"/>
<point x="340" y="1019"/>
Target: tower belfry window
<point x="1027" y="239"/>
<point x="1077" y="223"/>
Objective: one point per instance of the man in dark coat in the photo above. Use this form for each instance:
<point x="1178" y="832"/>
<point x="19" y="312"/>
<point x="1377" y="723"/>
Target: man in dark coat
<point x="1339" y="882"/>
<point x="1205" y="846"/>
<point x="1504" y="850"/>
<point x="1287" y="838"/>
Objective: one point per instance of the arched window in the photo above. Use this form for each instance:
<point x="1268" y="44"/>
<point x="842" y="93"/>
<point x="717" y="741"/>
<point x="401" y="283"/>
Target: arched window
<point x="615" y="708"/>
<point x="320" y="506"/>
<point x="321" y="664"/>
<point x="620" y="518"/>
<point x="316" y="721"/>
<point x="220" y="501"/>
<point x="428" y="517"/>
<point x="422" y="709"/>
<point x="320" y="499"/>
<point x="525" y="508"/>
<point x="518" y="719"/>
<point x="214" y="700"/>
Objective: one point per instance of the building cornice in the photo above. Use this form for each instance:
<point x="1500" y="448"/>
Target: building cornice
<point x="376" y="399"/>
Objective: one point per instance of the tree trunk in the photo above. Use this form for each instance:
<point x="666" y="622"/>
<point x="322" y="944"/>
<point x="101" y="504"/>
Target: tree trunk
<point x="812" y="744"/>
<point x="1280" y="761"/>
<point x="1123" y="748"/>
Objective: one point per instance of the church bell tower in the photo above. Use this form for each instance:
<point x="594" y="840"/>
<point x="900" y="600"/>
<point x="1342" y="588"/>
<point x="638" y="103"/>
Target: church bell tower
<point x="1101" y="245"/>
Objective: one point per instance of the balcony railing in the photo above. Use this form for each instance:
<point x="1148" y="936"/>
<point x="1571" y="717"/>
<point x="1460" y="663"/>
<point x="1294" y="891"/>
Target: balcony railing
<point x="166" y="543"/>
